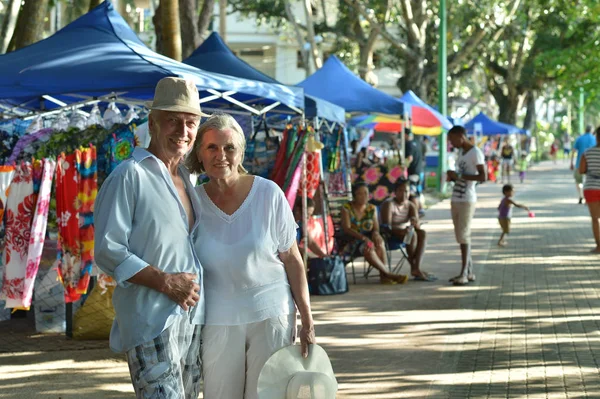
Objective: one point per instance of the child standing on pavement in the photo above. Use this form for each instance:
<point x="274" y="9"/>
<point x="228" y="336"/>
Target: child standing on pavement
<point x="505" y="212"/>
<point x="523" y="163"/>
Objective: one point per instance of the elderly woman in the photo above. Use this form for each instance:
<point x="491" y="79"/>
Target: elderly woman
<point x="254" y="277"/>
<point x="360" y="223"/>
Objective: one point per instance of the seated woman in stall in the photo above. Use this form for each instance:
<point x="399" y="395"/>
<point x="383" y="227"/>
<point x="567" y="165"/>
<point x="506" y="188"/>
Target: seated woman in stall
<point x="315" y="229"/>
<point x="360" y="224"/>
<point x="400" y="217"/>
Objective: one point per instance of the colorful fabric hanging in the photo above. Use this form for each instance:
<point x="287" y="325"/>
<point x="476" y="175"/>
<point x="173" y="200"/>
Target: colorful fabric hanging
<point x="291" y="193"/>
<point x="313" y="174"/>
<point x="281" y="155"/>
<point x="6" y="176"/>
<point x="23" y="263"/>
<point x="20" y="208"/>
<point x="38" y="228"/>
<point x="7" y="141"/>
<point x="294" y="160"/>
<point x="23" y="148"/>
<point x="117" y="147"/>
<point x="284" y="155"/>
<point x="76" y="189"/>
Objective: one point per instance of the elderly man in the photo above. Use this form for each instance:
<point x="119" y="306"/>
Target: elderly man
<point x="148" y="249"/>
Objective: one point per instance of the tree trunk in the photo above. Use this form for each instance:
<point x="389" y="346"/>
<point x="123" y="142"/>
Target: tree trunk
<point x="223" y="20"/>
<point x="30" y="24"/>
<point x="10" y="21"/>
<point x="171" y="30"/>
<point x="158" y="31"/>
<point x="530" y="116"/>
<point x="413" y="79"/>
<point x="205" y="17"/>
<point x="189" y="27"/>
<point x="299" y="38"/>
<point x="508" y="108"/>
<point x="94" y="4"/>
<point x="310" y="33"/>
<point x="365" y="62"/>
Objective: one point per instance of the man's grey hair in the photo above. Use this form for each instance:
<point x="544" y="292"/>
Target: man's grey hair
<point x="218" y="121"/>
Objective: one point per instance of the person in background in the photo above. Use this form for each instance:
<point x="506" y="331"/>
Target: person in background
<point x="399" y="216"/>
<point x="554" y="150"/>
<point x="316" y="240"/>
<point x="254" y="275"/>
<point x="378" y="157"/>
<point x="146" y="218"/>
<point x="508" y="157"/>
<point x="582" y="144"/>
<point x="505" y="212"/>
<point x="413" y="155"/>
<point x="361" y="159"/>
<point x="523" y="165"/>
<point x="567" y="144"/>
<point x="590" y="167"/>
<point x="470" y="170"/>
<point x="361" y="224"/>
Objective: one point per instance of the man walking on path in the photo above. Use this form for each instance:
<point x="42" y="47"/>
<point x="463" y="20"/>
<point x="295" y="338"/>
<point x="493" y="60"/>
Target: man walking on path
<point x="469" y="171"/>
<point x="149" y="251"/>
<point x="583" y="142"/>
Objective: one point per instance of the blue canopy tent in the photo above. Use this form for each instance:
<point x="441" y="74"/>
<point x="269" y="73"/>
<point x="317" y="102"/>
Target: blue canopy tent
<point x="491" y="127"/>
<point x="98" y="57"/>
<point x="213" y="55"/>
<point x="335" y="83"/>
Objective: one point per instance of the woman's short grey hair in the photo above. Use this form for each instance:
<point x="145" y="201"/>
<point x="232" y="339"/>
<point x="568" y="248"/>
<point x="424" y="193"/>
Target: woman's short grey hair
<point x="218" y="121"/>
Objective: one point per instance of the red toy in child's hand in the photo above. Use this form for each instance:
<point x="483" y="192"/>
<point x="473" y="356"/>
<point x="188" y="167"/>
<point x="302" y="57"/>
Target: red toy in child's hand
<point x="531" y="214"/>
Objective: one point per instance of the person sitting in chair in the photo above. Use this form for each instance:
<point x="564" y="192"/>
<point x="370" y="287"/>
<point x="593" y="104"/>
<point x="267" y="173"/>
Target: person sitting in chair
<point x="399" y="216"/>
<point x="360" y="223"/>
<point x="316" y="233"/>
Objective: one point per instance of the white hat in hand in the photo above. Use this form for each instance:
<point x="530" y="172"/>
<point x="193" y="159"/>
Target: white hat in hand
<point x="287" y="375"/>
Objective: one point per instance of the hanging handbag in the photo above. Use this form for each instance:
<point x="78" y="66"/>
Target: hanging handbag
<point x="327" y="276"/>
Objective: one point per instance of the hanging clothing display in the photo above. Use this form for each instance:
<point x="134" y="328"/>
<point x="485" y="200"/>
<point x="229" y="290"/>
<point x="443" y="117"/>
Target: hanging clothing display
<point x="25" y="144"/>
<point x="76" y="189"/>
<point x="7" y="141"/>
<point x="23" y="255"/>
<point x="117" y="147"/>
<point x="38" y="228"/>
<point x="313" y="173"/>
<point x="20" y="208"/>
<point x="6" y="175"/>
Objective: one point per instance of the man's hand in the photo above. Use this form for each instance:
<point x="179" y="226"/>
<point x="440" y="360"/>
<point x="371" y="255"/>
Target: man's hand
<point x="182" y="289"/>
<point x="307" y="337"/>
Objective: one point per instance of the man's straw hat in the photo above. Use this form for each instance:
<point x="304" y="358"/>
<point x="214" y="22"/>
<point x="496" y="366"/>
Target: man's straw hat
<point x="176" y="95"/>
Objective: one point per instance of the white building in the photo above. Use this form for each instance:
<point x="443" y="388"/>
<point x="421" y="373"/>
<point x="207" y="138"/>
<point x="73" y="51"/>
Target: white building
<point x="277" y="53"/>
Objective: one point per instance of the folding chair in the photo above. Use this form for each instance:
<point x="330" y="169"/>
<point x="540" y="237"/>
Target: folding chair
<point x="394" y="244"/>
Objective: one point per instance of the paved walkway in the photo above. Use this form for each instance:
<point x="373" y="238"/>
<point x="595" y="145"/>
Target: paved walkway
<point x="528" y="328"/>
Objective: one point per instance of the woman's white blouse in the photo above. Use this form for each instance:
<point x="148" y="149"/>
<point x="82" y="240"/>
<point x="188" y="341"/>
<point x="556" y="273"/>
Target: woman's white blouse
<point x="244" y="279"/>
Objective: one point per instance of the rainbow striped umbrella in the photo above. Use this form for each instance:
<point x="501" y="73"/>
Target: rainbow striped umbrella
<point x="425" y="119"/>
